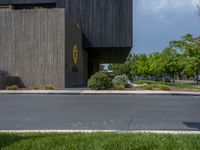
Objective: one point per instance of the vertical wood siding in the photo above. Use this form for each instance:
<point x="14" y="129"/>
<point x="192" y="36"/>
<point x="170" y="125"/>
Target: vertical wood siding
<point x="105" y="23"/>
<point x="74" y="37"/>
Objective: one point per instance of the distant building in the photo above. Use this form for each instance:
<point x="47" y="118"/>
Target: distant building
<point x="62" y="42"/>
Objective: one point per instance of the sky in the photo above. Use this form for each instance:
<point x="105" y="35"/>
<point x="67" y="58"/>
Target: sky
<point x="156" y="22"/>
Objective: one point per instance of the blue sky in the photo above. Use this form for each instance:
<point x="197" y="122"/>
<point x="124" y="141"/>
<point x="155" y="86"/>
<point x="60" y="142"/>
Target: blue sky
<point x="156" y="22"/>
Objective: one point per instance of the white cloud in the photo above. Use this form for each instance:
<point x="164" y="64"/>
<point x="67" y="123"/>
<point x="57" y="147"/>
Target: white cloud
<point x="162" y="6"/>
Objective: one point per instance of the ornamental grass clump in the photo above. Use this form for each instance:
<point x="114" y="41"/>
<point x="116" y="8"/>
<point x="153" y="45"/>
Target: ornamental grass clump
<point x="49" y="87"/>
<point x="140" y="82"/>
<point x="164" y="87"/>
<point x="148" y="87"/>
<point x="35" y="88"/>
<point x="99" y="81"/>
<point x="119" y="86"/>
<point x="12" y="87"/>
<point x="120" y="81"/>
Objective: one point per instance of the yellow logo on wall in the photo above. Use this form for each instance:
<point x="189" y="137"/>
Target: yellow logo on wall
<point x="75" y="54"/>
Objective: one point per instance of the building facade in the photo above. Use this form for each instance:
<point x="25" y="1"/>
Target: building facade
<point x="62" y="42"/>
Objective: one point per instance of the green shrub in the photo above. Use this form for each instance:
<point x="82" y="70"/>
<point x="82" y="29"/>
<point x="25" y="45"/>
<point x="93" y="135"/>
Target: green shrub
<point x="148" y="87"/>
<point x="164" y="87"/>
<point x="49" y="87"/>
<point x="35" y="88"/>
<point x="123" y="80"/>
<point x="118" y="86"/>
<point x="155" y="86"/>
<point x="140" y="82"/>
<point x="12" y="87"/>
<point x="99" y="81"/>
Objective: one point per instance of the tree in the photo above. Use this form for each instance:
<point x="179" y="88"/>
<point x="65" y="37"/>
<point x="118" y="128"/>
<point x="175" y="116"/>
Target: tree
<point x="189" y="67"/>
<point x="190" y="46"/>
<point x="171" y="62"/>
<point x="115" y="68"/>
<point x="154" y="61"/>
<point x="124" y="68"/>
<point x="180" y="57"/>
<point x="140" y="66"/>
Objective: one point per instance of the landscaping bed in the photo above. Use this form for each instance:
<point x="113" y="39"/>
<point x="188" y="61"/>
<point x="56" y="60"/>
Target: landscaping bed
<point x="102" y="81"/>
<point x="98" y="141"/>
<point x="152" y="85"/>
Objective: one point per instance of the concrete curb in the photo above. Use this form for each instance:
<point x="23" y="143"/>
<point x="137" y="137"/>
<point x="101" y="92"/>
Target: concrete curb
<point x="105" y="131"/>
<point x="91" y="92"/>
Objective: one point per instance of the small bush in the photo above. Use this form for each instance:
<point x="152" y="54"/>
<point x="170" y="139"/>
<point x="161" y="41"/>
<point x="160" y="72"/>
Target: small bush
<point x="155" y="86"/>
<point x="34" y="88"/>
<point x="148" y="87"/>
<point x="118" y="86"/>
<point x="49" y="87"/>
<point x="164" y="87"/>
<point x="12" y="87"/>
<point x="120" y="80"/>
<point x="140" y="82"/>
<point x="99" y="81"/>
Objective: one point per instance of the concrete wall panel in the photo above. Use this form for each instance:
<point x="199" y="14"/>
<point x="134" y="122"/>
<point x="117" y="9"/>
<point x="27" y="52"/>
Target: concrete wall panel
<point x="32" y="46"/>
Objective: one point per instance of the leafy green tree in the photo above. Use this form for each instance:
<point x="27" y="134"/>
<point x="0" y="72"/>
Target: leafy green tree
<point x="171" y="62"/>
<point x="140" y="66"/>
<point x="190" y="46"/>
<point x="189" y="67"/>
<point x="180" y="57"/>
<point x="154" y="62"/>
<point x="124" y="68"/>
<point x="114" y="68"/>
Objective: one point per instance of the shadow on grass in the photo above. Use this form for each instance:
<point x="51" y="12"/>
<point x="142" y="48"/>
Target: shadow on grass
<point x="193" y="125"/>
<point x="7" y="139"/>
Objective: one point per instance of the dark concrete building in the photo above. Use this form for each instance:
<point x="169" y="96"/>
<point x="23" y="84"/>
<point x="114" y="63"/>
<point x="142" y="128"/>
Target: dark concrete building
<point x="62" y="42"/>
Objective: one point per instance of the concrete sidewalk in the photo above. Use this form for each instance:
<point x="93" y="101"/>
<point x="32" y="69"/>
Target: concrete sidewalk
<point x="100" y="92"/>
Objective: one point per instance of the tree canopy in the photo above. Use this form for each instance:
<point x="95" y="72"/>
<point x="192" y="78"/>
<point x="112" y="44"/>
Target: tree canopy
<point x="181" y="57"/>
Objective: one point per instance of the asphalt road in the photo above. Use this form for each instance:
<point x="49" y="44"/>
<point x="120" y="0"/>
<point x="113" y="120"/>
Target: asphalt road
<point x="62" y="112"/>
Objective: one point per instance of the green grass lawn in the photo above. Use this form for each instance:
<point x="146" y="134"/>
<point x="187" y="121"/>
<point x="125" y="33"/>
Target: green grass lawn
<point x="153" y="85"/>
<point x="98" y="141"/>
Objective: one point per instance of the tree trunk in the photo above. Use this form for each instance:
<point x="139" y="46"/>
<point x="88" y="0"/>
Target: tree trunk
<point x="173" y="79"/>
<point x="197" y="76"/>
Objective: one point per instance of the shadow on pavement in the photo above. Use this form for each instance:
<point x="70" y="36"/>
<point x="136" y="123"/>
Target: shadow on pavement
<point x="193" y="125"/>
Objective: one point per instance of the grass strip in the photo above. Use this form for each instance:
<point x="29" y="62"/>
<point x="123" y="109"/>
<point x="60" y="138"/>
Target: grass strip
<point x="98" y="141"/>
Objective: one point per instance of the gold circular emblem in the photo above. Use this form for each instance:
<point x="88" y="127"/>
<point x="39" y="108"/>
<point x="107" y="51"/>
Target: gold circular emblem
<point x="75" y="54"/>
